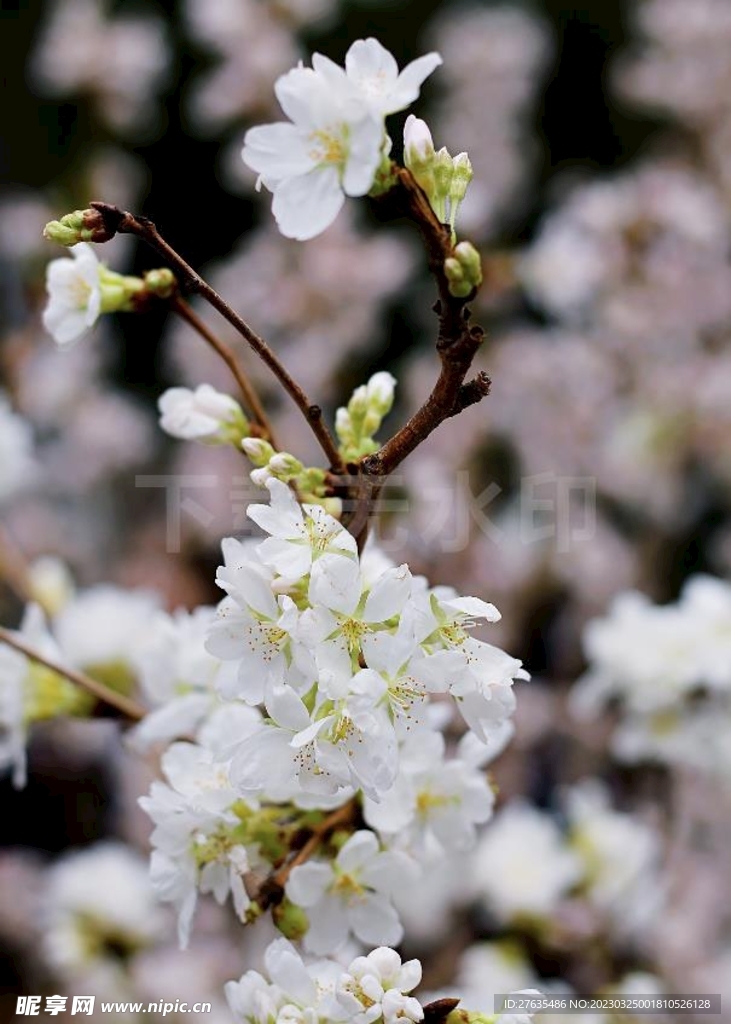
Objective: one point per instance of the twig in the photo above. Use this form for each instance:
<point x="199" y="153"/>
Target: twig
<point x="251" y="399"/>
<point x="129" y="708"/>
<point x="116" y="221"/>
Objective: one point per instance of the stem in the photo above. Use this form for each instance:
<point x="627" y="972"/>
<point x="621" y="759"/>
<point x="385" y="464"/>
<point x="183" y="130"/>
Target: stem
<point x="119" y="221"/>
<point x="251" y="399"/>
<point x="129" y="708"/>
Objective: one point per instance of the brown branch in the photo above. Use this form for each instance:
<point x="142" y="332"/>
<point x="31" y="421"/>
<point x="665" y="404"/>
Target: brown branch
<point x="130" y="708"/>
<point x="271" y="889"/>
<point x="458" y="340"/>
<point x="115" y="221"/>
<point x="251" y="399"/>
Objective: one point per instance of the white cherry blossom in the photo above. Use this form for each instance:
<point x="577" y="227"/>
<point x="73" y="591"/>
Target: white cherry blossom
<point x="373" y="70"/>
<point x="305" y="540"/>
<point x="435" y="803"/>
<point x="74" y="294"/>
<point x="330" y="148"/>
<point x="376" y="986"/>
<point x="350" y="894"/>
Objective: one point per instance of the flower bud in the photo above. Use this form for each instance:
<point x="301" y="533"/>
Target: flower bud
<point x="418" y="143"/>
<point x="291" y="920"/>
<point x="461" y="177"/>
<point x="285" y="466"/>
<point x="259" y="451"/>
<point x="79" y="226"/>
<point x="380" y="391"/>
<point x="469" y="257"/>
<point x="204" y="415"/>
<point x="67" y="231"/>
<point x="160" y="283"/>
<point x="443" y="172"/>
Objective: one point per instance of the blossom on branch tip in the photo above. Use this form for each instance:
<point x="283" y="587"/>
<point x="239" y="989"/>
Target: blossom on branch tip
<point x="203" y="415"/>
<point x="74" y="295"/>
<point x="335" y="141"/>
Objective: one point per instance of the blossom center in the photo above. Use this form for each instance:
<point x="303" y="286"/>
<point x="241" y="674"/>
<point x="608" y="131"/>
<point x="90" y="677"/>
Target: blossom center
<point x="330" y="145"/>
<point x="79" y="291"/>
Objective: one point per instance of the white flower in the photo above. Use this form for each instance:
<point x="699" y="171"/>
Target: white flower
<point x="375" y="987"/>
<point x="17" y="466"/>
<point x="306" y="540"/>
<point x="256" y="630"/>
<point x="296" y="994"/>
<point x="195" y="845"/>
<point x="357" y="624"/>
<point x="74" y="294"/>
<point x="346" y="742"/>
<point x="350" y="894"/>
<point x="331" y="149"/>
<point x="201" y="415"/>
<point x="177" y="675"/>
<point x="374" y="72"/>
<point x="335" y="141"/>
<point x="434" y="804"/>
<point x="98" y="900"/>
<point x="646" y="654"/>
<point x="522" y="864"/>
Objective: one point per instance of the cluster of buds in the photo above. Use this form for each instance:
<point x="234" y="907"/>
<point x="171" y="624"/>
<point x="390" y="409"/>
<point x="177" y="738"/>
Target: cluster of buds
<point x="444" y="178"/>
<point x="357" y="423"/>
<point x="310" y="482"/>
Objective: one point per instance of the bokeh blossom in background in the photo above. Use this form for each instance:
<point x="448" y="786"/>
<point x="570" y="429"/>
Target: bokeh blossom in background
<point x="570" y="831"/>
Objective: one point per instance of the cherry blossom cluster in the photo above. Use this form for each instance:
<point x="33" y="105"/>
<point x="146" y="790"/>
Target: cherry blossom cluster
<point x="307" y="769"/>
<point x="372" y="988"/>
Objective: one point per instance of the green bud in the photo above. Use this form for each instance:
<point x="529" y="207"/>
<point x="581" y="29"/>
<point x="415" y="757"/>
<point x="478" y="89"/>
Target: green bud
<point x="469" y="257"/>
<point x="443" y="172"/>
<point x="259" y="451"/>
<point x="291" y="920"/>
<point x="66" y="231"/>
<point x="79" y="226"/>
<point x="285" y="467"/>
<point x="461" y="177"/>
<point x="458" y="1016"/>
<point x="160" y="283"/>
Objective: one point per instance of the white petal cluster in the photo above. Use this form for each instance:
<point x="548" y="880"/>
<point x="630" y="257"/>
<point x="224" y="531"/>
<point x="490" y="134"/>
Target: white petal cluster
<point x="334" y="141"/>
<point x="668" y="668"/>
<point x="372" y="988"/>
<point x="74" y="294"/>
<point x="343" y="663"/>
<point x="197" y="841"/>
